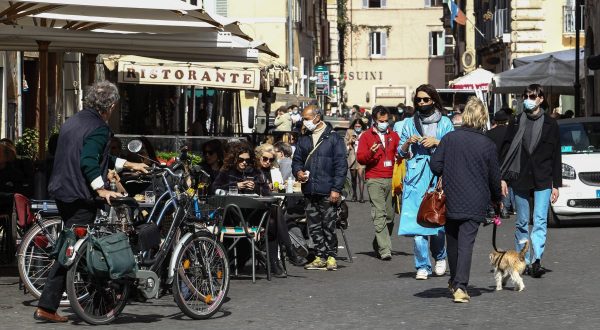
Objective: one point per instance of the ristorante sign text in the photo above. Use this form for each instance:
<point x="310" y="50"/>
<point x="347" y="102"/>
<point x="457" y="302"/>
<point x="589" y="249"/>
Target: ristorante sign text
<point x="247" y="79"/>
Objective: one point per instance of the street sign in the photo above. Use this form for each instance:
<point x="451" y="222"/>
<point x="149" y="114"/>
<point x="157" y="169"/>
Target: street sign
<point x="322" y="81"/>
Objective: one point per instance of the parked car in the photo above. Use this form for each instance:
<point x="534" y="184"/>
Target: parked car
<point x="579" y="197"/>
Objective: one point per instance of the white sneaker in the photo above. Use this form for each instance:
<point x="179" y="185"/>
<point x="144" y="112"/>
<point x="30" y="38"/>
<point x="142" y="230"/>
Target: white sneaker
<point x="422" y="274"/>
<point x="440" y="267"/>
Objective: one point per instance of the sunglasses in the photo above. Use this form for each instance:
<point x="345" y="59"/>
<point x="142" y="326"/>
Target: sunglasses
<point x="530" y="96"/>
<point x="243" y="160"/>
<point x="424" y="99"/>
<point x="265" y="159"/>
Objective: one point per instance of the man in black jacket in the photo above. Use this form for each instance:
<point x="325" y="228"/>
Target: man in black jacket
<point x="80" y="174"/>
<point x="320" y="164"/>
<point x="532" y="164"/>
<point x="497" y="134"/>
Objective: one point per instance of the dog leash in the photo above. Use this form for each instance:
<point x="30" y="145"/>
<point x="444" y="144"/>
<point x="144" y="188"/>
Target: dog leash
<point x="497" y="222"/>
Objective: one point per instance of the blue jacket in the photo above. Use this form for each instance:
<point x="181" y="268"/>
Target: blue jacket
<point x="468" y="163"/>
<point x="327" y="165"/>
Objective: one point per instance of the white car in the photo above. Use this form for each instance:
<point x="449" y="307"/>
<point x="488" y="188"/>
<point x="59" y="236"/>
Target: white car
<point x="579" y="197"/>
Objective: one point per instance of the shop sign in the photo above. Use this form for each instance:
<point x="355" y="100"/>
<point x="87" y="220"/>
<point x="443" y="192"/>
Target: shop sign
<point x="156" y="74"/>
<point x="322" y="81"/>
<point x="364" y="75"/>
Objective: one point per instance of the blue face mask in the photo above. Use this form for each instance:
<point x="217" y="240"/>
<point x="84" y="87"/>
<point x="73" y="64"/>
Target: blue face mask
<point x="529" y="105"/>
<point x="382" y="127"/>
<point x="357" y="129"/>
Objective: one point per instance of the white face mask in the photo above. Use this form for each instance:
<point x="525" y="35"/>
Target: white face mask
<point x="310" y="125"/>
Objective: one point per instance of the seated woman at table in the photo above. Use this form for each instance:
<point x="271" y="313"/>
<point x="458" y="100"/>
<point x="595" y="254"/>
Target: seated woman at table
<point x="212" y="160"/>
<point x="267" y="165"/>
<point x="237" y="170"/>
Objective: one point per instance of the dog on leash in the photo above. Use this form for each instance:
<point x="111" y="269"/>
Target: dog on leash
<point x="509" y="264"/>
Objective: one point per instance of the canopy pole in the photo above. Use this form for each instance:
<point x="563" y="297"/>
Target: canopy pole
<point x="577" y="86"/>
<point x="42" y="113"/>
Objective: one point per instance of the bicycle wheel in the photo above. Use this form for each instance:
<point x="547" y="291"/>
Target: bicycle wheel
<point x="33" y="258"/>
<point x="96" y="301"/>
<point x="202" y="276"/>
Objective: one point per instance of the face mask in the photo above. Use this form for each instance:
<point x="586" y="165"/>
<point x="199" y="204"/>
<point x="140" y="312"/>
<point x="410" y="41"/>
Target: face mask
<point x="425" y="109"/>
<point x="358" y="129"/>
<point x="310" y="125"/>
<point x="294" y="111"/>
<point x="529" y="105"/>
<point x="382" y="127"/>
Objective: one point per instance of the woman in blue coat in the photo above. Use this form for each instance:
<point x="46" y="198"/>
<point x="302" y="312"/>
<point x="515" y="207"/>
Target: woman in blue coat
<point x="420" y="136"/>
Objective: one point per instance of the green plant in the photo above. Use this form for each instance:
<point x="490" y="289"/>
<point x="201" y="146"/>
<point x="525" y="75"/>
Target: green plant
<point x="27" y="144"/>
<point x="167" y="155"/>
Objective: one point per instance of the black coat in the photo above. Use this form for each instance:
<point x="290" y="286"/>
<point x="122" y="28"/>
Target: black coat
<point x="468" y="163"/>
<point x="233" y="176"/>
<point x="327" y="165"/>
<point x="541" y="169"/>
<point x="497" y="134"/>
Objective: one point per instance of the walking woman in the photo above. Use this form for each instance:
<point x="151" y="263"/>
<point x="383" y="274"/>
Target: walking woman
<point x="419" y="139"/>
<point x="357" y="171"/>
<point x="468" y="162"/>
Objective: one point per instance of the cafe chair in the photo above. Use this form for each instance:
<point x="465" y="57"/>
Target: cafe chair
<point x="236" y="227"/>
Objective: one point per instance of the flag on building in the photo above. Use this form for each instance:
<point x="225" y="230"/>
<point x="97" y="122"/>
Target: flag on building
<point x="456" y="14"/>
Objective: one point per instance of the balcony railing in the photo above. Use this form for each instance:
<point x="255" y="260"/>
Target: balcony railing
<point x="569" y="19"/>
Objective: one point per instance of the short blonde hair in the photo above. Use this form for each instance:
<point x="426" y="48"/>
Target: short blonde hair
<point x="261" y="149"/>
<point x="475" y="114"/>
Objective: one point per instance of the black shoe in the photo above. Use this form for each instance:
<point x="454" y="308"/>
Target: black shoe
<point x="537" y="270"/>
<point x="297" y="260"/>
<point x="353" y="199"/>
<point x="277" y="271"/>
<point x="527" y="270"/>
<point x="504" y="214"/>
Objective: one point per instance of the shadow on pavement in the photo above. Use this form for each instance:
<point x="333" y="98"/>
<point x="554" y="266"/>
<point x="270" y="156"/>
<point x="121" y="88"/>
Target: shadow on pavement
<point x="445" y="293"/>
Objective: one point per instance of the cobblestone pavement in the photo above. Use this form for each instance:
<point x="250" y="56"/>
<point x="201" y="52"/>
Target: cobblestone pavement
<point x="370" y="293"/>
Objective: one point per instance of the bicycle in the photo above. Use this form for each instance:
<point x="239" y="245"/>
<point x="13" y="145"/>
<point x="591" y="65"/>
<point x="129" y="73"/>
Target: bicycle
<point x="195" y="268"/>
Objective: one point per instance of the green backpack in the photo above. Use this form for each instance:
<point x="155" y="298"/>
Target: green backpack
<point x="110" y="257"/>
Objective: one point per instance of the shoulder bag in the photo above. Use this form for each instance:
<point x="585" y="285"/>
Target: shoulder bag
<point x="432" y="212"/>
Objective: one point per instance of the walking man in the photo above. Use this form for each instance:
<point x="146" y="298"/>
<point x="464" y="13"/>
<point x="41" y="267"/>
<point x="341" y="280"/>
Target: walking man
<point x="532" y="165"/>
<point x="319" y="162"/>
<point x="377" y="151"/>
<point x="80" y="172"/>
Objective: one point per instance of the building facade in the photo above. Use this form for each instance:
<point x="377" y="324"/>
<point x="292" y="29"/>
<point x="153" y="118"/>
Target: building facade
<point x="390" y="47"/>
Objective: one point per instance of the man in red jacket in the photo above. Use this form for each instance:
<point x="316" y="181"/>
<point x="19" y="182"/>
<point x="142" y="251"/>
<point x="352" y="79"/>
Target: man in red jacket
<point x="377" y="151"/>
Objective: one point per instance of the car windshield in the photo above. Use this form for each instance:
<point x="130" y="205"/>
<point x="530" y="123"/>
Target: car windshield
<point x="580" y="137"/>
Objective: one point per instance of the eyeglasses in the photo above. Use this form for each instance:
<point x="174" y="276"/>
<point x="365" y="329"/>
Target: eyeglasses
<point x="530" y="96"/>
<point x="424" y="99"/>
<point x="243" y="160"/>
<point x="265" y="159"/>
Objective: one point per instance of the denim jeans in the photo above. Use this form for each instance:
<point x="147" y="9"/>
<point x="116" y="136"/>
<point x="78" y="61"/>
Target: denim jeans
<point x="435" y="243"/>
<point x="541" y="203"/>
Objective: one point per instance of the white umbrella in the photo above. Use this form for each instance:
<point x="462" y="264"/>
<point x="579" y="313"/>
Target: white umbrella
<point x="476" y="79"/>
<point x="554" y="75"/>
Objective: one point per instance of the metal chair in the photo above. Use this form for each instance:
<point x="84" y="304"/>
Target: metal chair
<point x="238" y="227"/>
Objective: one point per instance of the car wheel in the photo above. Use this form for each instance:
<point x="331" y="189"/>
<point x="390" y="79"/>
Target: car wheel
<point x="553" y="220"/>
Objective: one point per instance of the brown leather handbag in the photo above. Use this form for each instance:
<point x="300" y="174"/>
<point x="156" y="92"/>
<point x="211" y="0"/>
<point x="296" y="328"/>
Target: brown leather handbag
<point x="432" y="212"/>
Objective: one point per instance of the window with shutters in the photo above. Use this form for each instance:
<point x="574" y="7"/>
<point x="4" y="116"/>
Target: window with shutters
<point x="434" y="3"/>
<point x="218" y="7"/>
<point x="377" y="44"/>
<point x="436" y="43"/>
<point x="374" y="3"/>
<point x="221" y="7"/>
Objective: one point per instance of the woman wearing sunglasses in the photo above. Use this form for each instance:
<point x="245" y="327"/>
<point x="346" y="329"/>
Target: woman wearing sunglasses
<point x="418" y="140"/>
<point x="212" y="160"/>
<point x="267" y="165"/>
<point x="237" y="170"/>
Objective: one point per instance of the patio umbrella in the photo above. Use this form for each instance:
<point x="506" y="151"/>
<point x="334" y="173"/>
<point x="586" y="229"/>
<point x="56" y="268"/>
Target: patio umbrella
<point x="554" y="75"/>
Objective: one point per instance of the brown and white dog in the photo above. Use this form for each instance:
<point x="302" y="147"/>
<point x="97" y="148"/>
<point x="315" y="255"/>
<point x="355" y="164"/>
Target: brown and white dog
<point x="509" y="263"/>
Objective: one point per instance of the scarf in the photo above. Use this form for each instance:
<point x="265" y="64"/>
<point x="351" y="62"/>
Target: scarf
<point x="511" y="166"/>
<point x="433" y="118"/>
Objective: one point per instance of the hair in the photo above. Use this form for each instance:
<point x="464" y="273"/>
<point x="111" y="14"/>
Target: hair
<point x="316" y="110"/>
<point x="291" y="107"/>
<point x="285" y="148"/>
<point x="217" y="147"/>
<point x="362" y="124"/>
<point x="433" y="94"/>
<point x="539" y="91"/>
<point x="270" y="139"/>
<point x="101" y="96"/>
<point x="281" y="109"/>
<point x="475" y="114"/>
<point x="408" y="112"/>
<point x="235" y="149"/>
<point x="379" y="110"/>
<point x="260" y="150"/>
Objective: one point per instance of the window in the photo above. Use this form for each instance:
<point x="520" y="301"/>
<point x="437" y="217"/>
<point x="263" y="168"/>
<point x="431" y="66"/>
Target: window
<point x="569" y="19"/>
<point x="374" y="3"/>
<point x="436" y="43"/>
<point x="218" y="7"/>
<point x="434" y="3"/>
<point x="377" y="44"/>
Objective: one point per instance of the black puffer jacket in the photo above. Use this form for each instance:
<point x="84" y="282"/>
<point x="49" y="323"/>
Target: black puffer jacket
<point x="327" y="165"/>
<point x="468" y="163"/>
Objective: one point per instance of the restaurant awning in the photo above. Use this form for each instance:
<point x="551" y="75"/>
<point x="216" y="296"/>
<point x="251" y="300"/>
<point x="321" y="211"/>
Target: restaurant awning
<point x="476" y="79"/>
